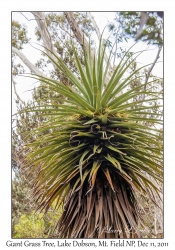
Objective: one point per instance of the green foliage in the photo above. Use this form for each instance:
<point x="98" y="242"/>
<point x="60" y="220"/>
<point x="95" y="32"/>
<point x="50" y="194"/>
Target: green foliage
<point x="129" y="24"/>
<point x="98" y="145"/>
<point x="19" y="35"/>
<point x="30" y="226"/>
<point x="21" y="200"/>
<point x="19" y="38"/>
<point x="51" y="219"/>
<point x="37" y="225"/>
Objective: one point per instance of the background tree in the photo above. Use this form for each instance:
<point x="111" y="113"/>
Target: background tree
<point x="55" y="31"/>
<point x="144" y="26"/>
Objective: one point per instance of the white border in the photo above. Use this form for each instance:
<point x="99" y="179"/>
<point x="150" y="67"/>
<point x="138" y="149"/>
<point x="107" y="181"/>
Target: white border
<point x="5" y="97"/>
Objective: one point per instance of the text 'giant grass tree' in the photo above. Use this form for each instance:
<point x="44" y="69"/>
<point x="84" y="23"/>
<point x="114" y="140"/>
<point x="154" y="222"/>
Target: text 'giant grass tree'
<point x="99" y="155"/>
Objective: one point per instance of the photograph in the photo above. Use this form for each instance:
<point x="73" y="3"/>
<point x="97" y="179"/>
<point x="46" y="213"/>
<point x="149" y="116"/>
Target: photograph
<point x="87" y="136"/>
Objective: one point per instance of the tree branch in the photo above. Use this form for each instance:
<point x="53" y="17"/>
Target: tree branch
<point x="45" y="35"/>
<point x="149" y="71"/>
<point x="14" y="85"/>
<point x="30" y="65"/>
<point x="151" y="68"/>
<point x="76" y="30"/>
<point x="143" y="20"/>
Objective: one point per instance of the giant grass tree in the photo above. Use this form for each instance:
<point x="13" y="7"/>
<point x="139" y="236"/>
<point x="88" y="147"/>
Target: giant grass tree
<point x="98" y="155"/>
